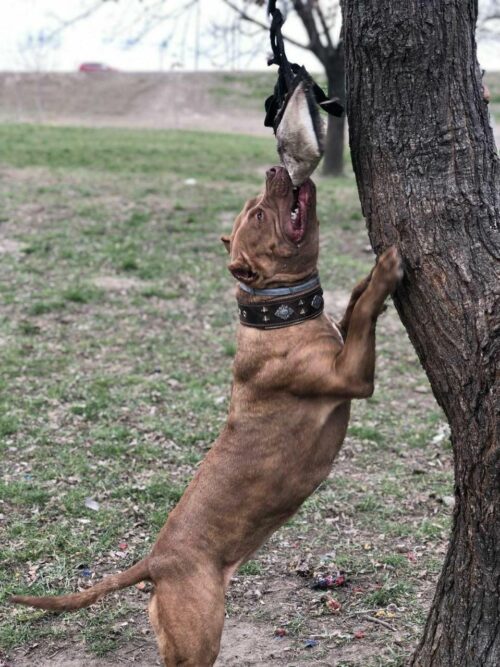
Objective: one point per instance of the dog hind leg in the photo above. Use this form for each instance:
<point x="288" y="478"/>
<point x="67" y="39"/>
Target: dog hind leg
<point x="188" y="617"/>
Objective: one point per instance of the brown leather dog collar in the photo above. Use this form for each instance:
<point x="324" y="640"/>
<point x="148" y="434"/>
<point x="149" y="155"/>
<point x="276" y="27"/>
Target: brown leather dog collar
<point x="282" y="312"/>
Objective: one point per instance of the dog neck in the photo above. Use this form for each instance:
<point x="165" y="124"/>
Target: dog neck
<point x="282" y="306"/>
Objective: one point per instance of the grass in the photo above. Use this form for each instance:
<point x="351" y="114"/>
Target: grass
<point x="117" y="334"/>
<point x="180" y="154"/>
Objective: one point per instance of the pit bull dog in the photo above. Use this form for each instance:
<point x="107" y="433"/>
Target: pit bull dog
<point x="295" y="373"/>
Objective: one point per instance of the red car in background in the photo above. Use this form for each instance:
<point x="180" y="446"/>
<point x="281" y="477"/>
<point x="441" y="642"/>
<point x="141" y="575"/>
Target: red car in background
<point x="95" y="67"/>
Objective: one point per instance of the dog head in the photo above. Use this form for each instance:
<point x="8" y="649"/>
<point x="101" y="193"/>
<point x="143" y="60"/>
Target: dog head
<point x="275" y="238"/>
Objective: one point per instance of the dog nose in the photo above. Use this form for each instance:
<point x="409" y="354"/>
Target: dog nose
<point x="271" y="173"/>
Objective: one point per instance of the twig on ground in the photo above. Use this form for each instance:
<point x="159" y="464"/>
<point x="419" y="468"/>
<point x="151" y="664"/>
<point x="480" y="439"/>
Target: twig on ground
<point x="373" y="619"/>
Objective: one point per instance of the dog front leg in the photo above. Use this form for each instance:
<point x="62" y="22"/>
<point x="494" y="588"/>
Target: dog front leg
<point x="343" y="325"/>
<point x="354" y="367"/>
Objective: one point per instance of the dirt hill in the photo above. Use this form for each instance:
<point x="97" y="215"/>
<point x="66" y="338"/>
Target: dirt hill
<point x="230" y="102"/>
<point x="216" y="101"/>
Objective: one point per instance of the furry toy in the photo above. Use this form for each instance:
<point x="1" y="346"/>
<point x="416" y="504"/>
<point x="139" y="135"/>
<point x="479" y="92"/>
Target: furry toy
<point x="293" y="111"/>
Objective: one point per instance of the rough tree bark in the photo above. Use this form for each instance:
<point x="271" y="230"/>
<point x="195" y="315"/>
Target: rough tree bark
<point x="429" y="181"/>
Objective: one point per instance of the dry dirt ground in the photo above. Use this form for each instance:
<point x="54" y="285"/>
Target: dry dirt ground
<point x="242" y="644"/>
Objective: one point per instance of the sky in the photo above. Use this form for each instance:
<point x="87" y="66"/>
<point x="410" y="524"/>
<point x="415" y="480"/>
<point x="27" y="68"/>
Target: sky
<point x="116" y="34"/>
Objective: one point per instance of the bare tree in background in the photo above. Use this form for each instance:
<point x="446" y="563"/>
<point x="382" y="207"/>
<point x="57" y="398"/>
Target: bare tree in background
<point x="320" y="19"/>
<point x="36" y="50"/>
<point x="488" y="15"/>
<point x="488" y="21"/>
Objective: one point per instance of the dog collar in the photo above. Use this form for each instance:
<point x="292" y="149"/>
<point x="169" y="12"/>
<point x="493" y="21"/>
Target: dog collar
<point x="296" y="288"/>
<point x="285" y="312"/>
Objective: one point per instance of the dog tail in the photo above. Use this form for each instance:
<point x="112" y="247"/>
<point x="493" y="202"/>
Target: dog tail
<point x="115" y="582"/>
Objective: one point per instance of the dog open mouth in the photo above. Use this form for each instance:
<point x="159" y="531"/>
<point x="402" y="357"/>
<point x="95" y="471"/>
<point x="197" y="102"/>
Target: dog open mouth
<point x="299" y="214"/>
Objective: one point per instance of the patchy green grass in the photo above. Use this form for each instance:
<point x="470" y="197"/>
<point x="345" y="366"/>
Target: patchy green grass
<point x="177" y="154"/>
<point x="252" y="567"/>
<point x="117" y="333"/>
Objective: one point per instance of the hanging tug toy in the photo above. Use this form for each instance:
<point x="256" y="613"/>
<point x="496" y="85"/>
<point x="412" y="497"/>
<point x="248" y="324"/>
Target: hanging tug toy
<point x="293" y="111"/>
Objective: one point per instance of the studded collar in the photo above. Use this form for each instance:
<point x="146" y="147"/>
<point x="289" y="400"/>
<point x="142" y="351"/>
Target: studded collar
<point x="277" y="313"/>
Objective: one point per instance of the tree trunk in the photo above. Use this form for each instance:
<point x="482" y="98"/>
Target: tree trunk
<point x="429" y="181"/>
<point x="333" y="162"/>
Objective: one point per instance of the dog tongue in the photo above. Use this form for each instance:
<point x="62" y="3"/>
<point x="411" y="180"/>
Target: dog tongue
<point x="298" y="215"/>
<point x="295" y="214"/>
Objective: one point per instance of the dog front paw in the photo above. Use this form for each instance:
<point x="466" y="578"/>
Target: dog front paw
<point x="388" y="270"/>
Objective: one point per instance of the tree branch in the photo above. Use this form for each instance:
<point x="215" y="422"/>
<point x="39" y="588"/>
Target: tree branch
<point x="304" y="10"/>
<point x="244" y="16"/>
<point x="66" y="23"/>
<point x="326" y="30"/>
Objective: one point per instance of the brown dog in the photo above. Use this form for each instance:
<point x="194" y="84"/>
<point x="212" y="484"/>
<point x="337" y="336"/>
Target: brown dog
<point x="287" y="419"/>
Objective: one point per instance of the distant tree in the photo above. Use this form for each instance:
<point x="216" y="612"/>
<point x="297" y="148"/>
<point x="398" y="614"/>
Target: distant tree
<point x="36" y="49"/>
<point x="488" y="15"/>
<point x="488" y="24"/>
<point x="321" y="20"/>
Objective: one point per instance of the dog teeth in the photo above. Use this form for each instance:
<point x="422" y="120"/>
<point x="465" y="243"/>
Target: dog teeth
<point x="295" y="213"/>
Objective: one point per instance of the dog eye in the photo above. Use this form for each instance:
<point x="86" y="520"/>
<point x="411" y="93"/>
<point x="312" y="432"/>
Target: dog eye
<point x="259" y="215"/>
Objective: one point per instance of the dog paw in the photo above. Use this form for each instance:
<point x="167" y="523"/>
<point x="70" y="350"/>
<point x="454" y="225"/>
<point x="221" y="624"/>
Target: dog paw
<point x="389" y="269"/>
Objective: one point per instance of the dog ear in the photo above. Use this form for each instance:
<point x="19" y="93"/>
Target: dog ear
<point x="226" y="240"/>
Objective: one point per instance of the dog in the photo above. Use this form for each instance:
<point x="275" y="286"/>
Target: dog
<point x="295" y="373"/>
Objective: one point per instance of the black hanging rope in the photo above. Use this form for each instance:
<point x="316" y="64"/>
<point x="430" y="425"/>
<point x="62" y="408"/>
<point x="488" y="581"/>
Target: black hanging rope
<point x="277" y="42"/>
